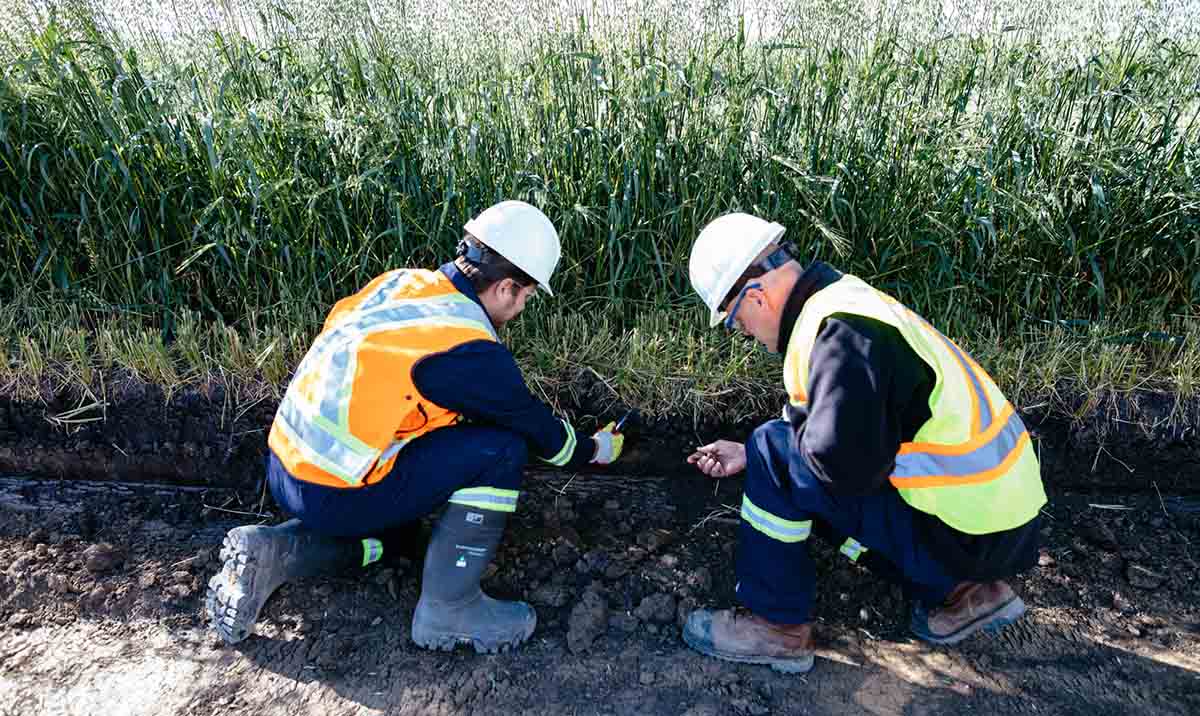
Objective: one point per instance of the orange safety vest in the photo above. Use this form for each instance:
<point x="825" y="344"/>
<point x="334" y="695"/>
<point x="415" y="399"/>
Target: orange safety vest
<point x="352" y="405"/>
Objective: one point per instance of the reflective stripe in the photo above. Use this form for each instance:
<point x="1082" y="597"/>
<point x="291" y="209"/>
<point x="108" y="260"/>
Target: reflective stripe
<point x="372" y="550"/>
<point x="487" y="498"/>
<point x="982" y="419"/>
<point x="333" y="459"/>
<point x="920" y="465"/>
<point x="773" y="526"/>
<point x="852" y="548"/>
<point x="563" y="456"/>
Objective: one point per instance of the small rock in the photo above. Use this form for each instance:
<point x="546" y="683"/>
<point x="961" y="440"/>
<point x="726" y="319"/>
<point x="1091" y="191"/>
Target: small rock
<point x="646" y="678"/>
<point x="588" y="620"/>
<point x="1045" y="559"/>
<point x="1100" y="535"/>
<point x="19" y="565"/>
<point x="669" y="561"/>
<point x="565" y="554"/>
<point x="1143" y="578"/>
<point x="1133" y="630"/>
<point x="550" y="596"/>
<point x="178" y="591"/>
<point x="41" y="551"/>
<point x="596" y="561"/>
<point x="181" y="576"/>
<point x="659" y="608"/>
<point x="58" y="583"/>
<point x="147" y="579"/>
<point x="102" y="557"/>
<point x="652" y="540"/>
<point x="616" y="570"/>
<point x="95" y="599"/>
<point x="684" y="610"/>
<point x="700" y="580"/>
<point x="864" y="615"/>
<point x="623" y="622"/>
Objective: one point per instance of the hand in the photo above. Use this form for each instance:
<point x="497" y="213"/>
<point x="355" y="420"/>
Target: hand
<point x="608" y="444"/>
<point x="724" y="458"/>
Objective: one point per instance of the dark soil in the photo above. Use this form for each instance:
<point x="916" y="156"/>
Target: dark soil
<point x="216" y="436"/>
<point x="101" y="591"/>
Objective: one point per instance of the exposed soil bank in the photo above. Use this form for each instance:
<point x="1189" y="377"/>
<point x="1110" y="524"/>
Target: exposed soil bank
<point x="217" y="436"/>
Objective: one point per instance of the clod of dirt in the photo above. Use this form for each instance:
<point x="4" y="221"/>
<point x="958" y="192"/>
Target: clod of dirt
<point x="550" y="595"/>
<point x="565" y="554"/>
<point x="700" y="579"/>
<point x="1143" y="578"/>
<point x="653" y="540"/>
<point x="588" y="620"/>
<point x="593" y="562"/>
<point x="616" y="570"/>
<point x="1100" y="535"/>
<point x="622" y="622"/>
<point x="659" y="608"/>
<point x="102" y="557"/>
<point x="687" y="605"/>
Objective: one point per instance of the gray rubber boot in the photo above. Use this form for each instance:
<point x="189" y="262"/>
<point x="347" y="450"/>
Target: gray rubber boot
<point x="257" y="560"/>
<point x="453" y="609"/>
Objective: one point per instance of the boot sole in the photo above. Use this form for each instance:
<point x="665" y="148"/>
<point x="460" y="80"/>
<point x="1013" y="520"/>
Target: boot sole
<point x="993" y="623"/>
<point x="801" y="665"/>
<point x="231" y="602"/>
<point x="448" y="641"/>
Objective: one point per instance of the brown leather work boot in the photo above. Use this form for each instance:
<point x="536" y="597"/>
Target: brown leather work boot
<point x="738" y="635"/>
<point x="972" y="606"/>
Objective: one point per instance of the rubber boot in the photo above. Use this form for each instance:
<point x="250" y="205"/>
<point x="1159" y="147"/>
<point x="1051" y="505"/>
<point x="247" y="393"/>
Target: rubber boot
<point x="258" y="559"/>
<point x="453" y="609"/>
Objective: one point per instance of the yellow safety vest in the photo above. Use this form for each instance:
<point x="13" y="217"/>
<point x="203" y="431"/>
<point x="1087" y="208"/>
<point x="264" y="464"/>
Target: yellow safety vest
<point x="971" y="464"/>
<point x="352" y="405"/>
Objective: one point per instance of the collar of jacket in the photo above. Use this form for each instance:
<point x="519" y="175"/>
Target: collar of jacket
<point x="463" y="284"/>
<point x="817" y="276"/>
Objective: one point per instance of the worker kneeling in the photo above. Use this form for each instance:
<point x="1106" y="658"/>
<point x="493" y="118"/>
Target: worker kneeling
<point x="895" y="445"/>
<point x="407" y="401"/>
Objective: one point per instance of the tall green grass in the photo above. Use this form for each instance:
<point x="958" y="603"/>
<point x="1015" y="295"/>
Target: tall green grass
<point x="999" y="181"/>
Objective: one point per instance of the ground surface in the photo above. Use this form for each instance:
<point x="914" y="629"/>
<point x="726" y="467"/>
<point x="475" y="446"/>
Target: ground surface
<point x="101" y="587"/>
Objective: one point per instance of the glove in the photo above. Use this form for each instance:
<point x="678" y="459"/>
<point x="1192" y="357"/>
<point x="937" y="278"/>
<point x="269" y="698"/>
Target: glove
<point x="608" y="444"/>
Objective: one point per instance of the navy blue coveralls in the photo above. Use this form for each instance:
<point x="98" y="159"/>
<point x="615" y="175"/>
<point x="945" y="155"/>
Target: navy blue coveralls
<point x="825" y="470"/>
<point x="504" y="424"/>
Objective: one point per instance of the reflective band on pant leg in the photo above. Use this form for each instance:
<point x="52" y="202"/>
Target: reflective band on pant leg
<point x="372" y="551"/>
<point x="486" y="498"/>
<point x="774" y="526"/>
<point x="853" y="549"/>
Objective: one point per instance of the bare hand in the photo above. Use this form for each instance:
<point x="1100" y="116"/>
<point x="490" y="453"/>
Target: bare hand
<point x="724" y="458"/>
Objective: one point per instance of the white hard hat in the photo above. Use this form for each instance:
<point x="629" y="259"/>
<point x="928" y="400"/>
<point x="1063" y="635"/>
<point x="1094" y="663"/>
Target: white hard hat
<point x="522" y="234"/>
<point x="724" y="250"/>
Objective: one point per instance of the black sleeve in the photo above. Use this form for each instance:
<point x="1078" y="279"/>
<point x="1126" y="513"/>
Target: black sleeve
<point x="481" y="381"/>
<point x="854" y="418"/>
